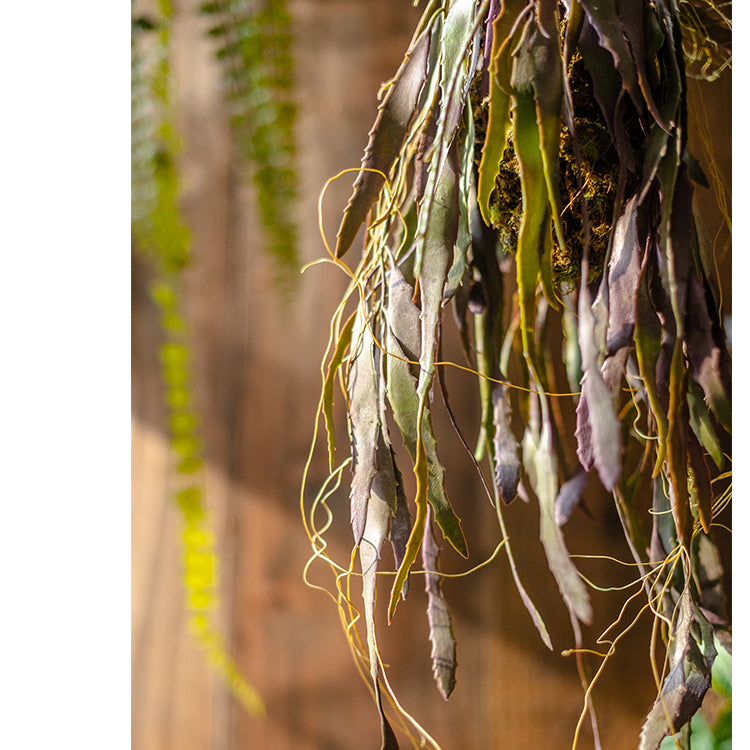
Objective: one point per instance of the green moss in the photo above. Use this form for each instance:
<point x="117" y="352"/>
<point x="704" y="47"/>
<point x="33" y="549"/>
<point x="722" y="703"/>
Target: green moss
<point x="600" y="169"/>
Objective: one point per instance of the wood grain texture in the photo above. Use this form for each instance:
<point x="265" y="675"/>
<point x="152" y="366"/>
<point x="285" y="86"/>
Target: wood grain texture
<point x="257" y="383"/>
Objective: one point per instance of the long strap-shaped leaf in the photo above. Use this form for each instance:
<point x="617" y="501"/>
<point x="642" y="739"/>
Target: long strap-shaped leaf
<point x="536" y="57"/>
<point x="443" y="653"/>
<point x="364" y="420"/>
<point x="382" y="498"/>
<point x="496" y="139"/>
<point x="328" y="386"/>
<point x="539" y="460"/>
<point x="387" y="134"/>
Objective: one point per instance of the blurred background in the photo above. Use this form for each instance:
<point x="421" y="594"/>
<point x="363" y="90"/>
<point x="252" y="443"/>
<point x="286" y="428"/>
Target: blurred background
<point x="256" y="383"/>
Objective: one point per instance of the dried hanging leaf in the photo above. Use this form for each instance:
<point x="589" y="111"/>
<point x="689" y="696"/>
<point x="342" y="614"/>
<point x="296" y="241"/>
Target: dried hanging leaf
<point x="388" y="133"/>
<point x="338" y="356"/>
<point x="598" y="428"/>
<point x="683" y="690"/>
<point x="622" y="279"/>
<point x="709" y="361"/>
<point x="507" y="465"/>
<point x="375" y="530"/>
<point x="443" y="653"/>
<point x="364" y="421"/>
<point x="400" y="525"/>
<point x="648" y="347"/>
<point x="540" y="464"/>
<point x="700" y="481"/>
<point x="570" y="495"/>
<point x="403" y="315"/>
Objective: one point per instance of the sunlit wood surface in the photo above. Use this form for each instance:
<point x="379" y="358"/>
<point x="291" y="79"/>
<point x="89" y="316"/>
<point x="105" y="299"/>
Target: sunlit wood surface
<point x="257" y="384"/>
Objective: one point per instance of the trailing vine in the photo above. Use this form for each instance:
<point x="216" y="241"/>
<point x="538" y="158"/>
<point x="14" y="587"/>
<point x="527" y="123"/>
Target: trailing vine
<point x="580" y="110"/>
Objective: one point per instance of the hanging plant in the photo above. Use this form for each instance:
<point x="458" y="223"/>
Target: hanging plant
<point x="530" y="168"/>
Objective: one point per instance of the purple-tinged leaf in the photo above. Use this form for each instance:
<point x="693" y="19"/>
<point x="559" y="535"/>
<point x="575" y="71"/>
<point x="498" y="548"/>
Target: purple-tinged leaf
<point x="507" y="466"/>
<point x="489" y="31"/>
<point x="684" y="688"/>
<point x="402" y="314"/>
<point x="443" y="653"/>
<point x="569" y="495"/>
<point x="632" y="14"/>
<point x="391" y="126"/>
<point x="608" y="91"/>
<point x="648" y="347"/>
<point x="709" y="360"/>
<point x="374" y="533"/>
<point x="400" y="525"/>
<point x="659" y="139"/>
<point x="364" y="422"/>
<point x="547" y="19"/>
<point x="338" y="356"/>
<point x="615" y="32"/>
<point x="539" y="462"/>
<point x="598" y="428"/>
<point x="622" y="279"/>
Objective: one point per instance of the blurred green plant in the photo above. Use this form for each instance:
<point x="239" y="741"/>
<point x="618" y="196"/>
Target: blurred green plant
<point x="577" y="110"/>
<point x="258" y="69"/>
<point x="255" y="52"/>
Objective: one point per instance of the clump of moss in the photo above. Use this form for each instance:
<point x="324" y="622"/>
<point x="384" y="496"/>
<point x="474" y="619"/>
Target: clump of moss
<point x="600" y="169"/>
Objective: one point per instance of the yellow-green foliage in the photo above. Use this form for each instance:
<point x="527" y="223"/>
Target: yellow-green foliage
<point x="161" y="236"/>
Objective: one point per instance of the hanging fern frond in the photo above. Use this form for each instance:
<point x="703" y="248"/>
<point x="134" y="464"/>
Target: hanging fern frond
<point x="254" y="41"/>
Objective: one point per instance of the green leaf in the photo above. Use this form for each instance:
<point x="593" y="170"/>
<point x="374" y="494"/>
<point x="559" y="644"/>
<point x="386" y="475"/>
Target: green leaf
<point x="496" y="137"/>
<point x="701" y="492"/>
<point x="402" y="395"/>
<point x="701" y="425"/>
<point x="460" y="264"/>
<point x="533" y="105"/>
